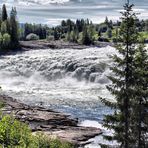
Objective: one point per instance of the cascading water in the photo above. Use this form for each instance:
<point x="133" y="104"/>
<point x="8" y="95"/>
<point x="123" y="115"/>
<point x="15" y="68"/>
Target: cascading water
<point x="67" y="80"/>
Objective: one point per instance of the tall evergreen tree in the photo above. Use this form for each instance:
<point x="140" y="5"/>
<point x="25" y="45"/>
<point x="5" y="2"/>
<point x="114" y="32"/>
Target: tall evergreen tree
<point x="128" y="119"/>
<point x="13" y="26"/>
<point x="4" y="13"/>
<point x="85" y="36"/>
<point x="140" y="103"/>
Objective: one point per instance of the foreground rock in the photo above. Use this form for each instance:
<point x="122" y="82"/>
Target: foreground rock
<point x="50" y="122"/>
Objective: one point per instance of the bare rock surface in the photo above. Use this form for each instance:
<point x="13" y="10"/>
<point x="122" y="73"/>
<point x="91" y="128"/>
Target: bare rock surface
<point x="50" y="122"/>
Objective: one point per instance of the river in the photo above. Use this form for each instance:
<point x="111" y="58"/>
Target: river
<point x="67" y="80"/>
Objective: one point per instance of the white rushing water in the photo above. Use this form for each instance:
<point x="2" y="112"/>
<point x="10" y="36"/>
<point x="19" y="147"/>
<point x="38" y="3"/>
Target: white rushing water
<point x="68" y="80"/>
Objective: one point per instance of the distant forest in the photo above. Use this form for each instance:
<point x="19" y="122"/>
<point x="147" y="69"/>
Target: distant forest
<point x="83" y="31"/>
<point x="80" y="31"/>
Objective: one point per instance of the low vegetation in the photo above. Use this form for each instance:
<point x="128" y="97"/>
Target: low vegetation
<point x="16" y="134"/>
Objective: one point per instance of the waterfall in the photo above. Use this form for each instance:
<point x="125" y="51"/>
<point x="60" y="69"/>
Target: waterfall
<point x="67" y="79"/>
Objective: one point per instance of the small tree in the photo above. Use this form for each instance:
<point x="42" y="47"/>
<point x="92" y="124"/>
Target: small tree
<point x="106" y="21"/>
<point x="109" y="33"/>
<point x="85" y="36"/>
<point x="6" y="41"/>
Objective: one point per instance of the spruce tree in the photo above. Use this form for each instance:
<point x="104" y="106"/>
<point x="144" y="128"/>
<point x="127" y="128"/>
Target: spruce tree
<point x="106" y="21"/>
<point x="109" y="33"/>
<point x="4" y="13"/>
<point x="129" y="86"/>
<point x="85" y="36"/>
<point x="140" y="103"/>
<point x="13" y="27"/>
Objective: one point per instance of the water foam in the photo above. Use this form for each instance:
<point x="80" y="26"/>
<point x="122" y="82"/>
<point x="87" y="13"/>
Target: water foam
<point x="65" y="77"/>
<point x="57" y="79"/>
<point x="94" y="142"/>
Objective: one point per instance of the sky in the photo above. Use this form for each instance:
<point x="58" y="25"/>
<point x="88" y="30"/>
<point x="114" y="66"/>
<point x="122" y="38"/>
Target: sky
<point x="51" y="12"/>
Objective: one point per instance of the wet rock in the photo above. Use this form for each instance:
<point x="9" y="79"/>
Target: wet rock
<point x="49" y="122"/>
<point x="56" y="74"/>
<point x="70" y="67"/>
<point x="93" y="76"/>
<point x="102" y="80"/>
<point x="87" y="74"/>
<point x="78" y="73"/>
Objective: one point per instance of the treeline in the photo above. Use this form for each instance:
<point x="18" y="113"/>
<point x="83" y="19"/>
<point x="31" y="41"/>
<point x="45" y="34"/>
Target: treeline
<point x="84" y="31"/>
<point x="81" y="31"/>
<point x="8" y="30"/>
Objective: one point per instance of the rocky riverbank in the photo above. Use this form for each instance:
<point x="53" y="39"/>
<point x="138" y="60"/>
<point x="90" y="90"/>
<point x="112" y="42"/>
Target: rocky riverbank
<point x="50" y="122"/>
<point x="43" y="44"/>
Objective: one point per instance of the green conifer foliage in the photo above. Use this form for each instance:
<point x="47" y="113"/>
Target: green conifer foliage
<point x="4" y="13"/>
<point x="13" y="26"/>
<point x="139" y="116"/>
<point x="129" y="87"/>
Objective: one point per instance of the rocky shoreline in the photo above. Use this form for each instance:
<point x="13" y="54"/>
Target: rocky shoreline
<point x="52" y="123"/>
<point x="43" y="44"/>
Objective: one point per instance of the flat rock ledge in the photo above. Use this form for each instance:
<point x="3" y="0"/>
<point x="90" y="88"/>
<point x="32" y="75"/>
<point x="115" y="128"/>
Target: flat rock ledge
<point x="52" y="123"/>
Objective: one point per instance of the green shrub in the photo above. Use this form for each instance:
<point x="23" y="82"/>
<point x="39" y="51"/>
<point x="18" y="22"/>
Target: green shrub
<point x="15" y="134"/>
<point x="32" y="36"/>
<point x="2" y="104"/>
<point x="50" y="38"/>
<point x="1" y="40"/>
<point x="6" y="40"/>
<point x="40" y="140"/>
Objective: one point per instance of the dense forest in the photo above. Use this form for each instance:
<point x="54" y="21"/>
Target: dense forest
<point x="83" y="31"/>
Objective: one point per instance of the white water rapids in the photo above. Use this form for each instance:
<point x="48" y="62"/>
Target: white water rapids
<point x="67" y="80"/>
